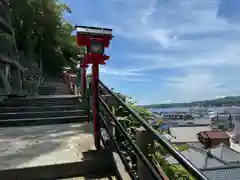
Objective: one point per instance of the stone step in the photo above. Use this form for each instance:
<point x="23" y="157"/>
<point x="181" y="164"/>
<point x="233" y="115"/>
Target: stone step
<point x="42" y="114"/>
<point x="98" y="166"/>
<point x="5" y="109"/>
<point x="46" y="97"/>
<point x="55" y="84"/>
<point x="43" y="121"/>
<point x="37" y="103"/>
<point x="86" y="178"/>
<point x="42" y="100"/>
<point x="42" y="103"/>
<point x="51" y="89"/>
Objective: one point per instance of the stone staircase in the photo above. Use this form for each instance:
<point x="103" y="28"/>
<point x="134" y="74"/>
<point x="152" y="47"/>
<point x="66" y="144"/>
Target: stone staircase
<point x="54" y="86"/>
<point x="42" y="110"/>
<point x="49" y="137"/>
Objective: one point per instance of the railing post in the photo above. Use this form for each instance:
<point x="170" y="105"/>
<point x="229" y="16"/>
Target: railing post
<point x="143" y="140"/>
<point x="65" y="77"/>
<point x="84" y="80"/>
<point x="70" y="82"/>
<point x="74" y="85"/>
<point x="22" y="81"/>
<point x="111" y="127"/>
<point x="78" y="80"/>
<point x="111" y="123"/>
<point x="89" y="100"/>
<point x="109" y="120"/>
<point x="111" y="104"/>
<point x="95" y="98"/>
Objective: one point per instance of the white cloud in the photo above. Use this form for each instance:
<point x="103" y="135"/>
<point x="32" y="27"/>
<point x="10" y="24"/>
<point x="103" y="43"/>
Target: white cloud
<point x="217" y="97"/>
<point x="114" y="72"/>
<point x="148" y="12"/>
<point x="187" y="35"/>
<point x="192" y="36"/>
<point x="118" y="72"/>
<point x="131" y="79"/>
<point x="162" y="21"/>
<point x="198" y="86"/>
<point x="195" y="85"/>
<point x="225" y="55"/>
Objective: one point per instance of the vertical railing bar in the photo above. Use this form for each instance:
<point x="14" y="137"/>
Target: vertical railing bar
<point x="136" y="149"/>
<point x="118" y="149"/>
<point x="104" y="144"/>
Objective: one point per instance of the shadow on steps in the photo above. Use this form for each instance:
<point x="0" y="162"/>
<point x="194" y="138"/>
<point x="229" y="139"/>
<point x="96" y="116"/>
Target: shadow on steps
<point x="95" y="165"/>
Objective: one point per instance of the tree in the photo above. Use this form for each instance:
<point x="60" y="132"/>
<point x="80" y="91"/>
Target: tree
<point x="42" y="33"/>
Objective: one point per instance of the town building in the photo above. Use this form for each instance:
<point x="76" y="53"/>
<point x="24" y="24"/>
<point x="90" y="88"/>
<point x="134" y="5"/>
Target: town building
<point x="217" y="163"/>
<point x="213" y="138"/>
<point x="222" y="121"/>
<point x="236" y="127"/>
<point x="185" y="134"/>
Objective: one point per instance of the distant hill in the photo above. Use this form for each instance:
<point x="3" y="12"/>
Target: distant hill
<point x="226" y="101"/>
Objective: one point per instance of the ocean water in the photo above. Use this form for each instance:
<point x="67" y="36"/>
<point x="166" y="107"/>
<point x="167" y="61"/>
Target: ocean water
<point x="181" y="109"/>
<point x="176" y="109"/>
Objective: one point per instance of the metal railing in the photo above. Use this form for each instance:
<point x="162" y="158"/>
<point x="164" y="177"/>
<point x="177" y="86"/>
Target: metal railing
<point x="196" y="173"/>
<point x="125" y="145"/>
<point x="133" y="147"/>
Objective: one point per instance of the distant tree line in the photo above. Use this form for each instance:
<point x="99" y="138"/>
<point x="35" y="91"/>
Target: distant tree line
<point x="226" y="101"/>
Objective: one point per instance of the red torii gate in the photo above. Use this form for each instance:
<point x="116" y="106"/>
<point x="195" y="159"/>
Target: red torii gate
<point x="96" y="40"/>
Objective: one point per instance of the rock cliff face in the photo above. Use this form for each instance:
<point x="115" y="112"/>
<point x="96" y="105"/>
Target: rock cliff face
<point x="31" y="75"/>
<point x="17" y="73"/>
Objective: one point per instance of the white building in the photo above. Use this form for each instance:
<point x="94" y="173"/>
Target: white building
<point x="236" y="124"/>
<point x="226" y="118"/>
<point x="235" y="116"/>
<point x="221" y="121"/>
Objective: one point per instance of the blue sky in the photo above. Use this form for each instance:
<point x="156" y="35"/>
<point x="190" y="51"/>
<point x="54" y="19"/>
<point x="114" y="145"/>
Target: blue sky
<point x="167" y="50"/>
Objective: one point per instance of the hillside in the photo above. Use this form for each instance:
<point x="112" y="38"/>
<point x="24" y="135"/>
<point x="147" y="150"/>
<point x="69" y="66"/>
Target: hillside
<point x="226" y="101"/>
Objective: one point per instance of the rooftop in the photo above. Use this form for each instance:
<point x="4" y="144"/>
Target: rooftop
<point x="218" y="163"/>
<point x="186" y="134"/>
<point x="229" y="173"/>
<point x="235" y="146"/>
<point x="232" y="110"/>
<point x="225" y="154"/>
<point x="215" y="134"/>
<point x="201" y="159"/>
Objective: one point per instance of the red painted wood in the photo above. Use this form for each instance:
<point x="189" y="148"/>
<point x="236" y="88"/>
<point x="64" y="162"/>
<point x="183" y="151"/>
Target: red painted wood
<point x="84" y="82"/>
<point x="95" y="77"/>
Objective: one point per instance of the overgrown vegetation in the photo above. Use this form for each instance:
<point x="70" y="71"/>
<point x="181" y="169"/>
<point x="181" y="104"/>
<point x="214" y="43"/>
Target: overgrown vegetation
<point x="41" y="32"/>
<point x="174" y="172"/>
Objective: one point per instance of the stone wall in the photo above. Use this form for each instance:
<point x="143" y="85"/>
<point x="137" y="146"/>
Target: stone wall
<point x="10" y="68"/>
